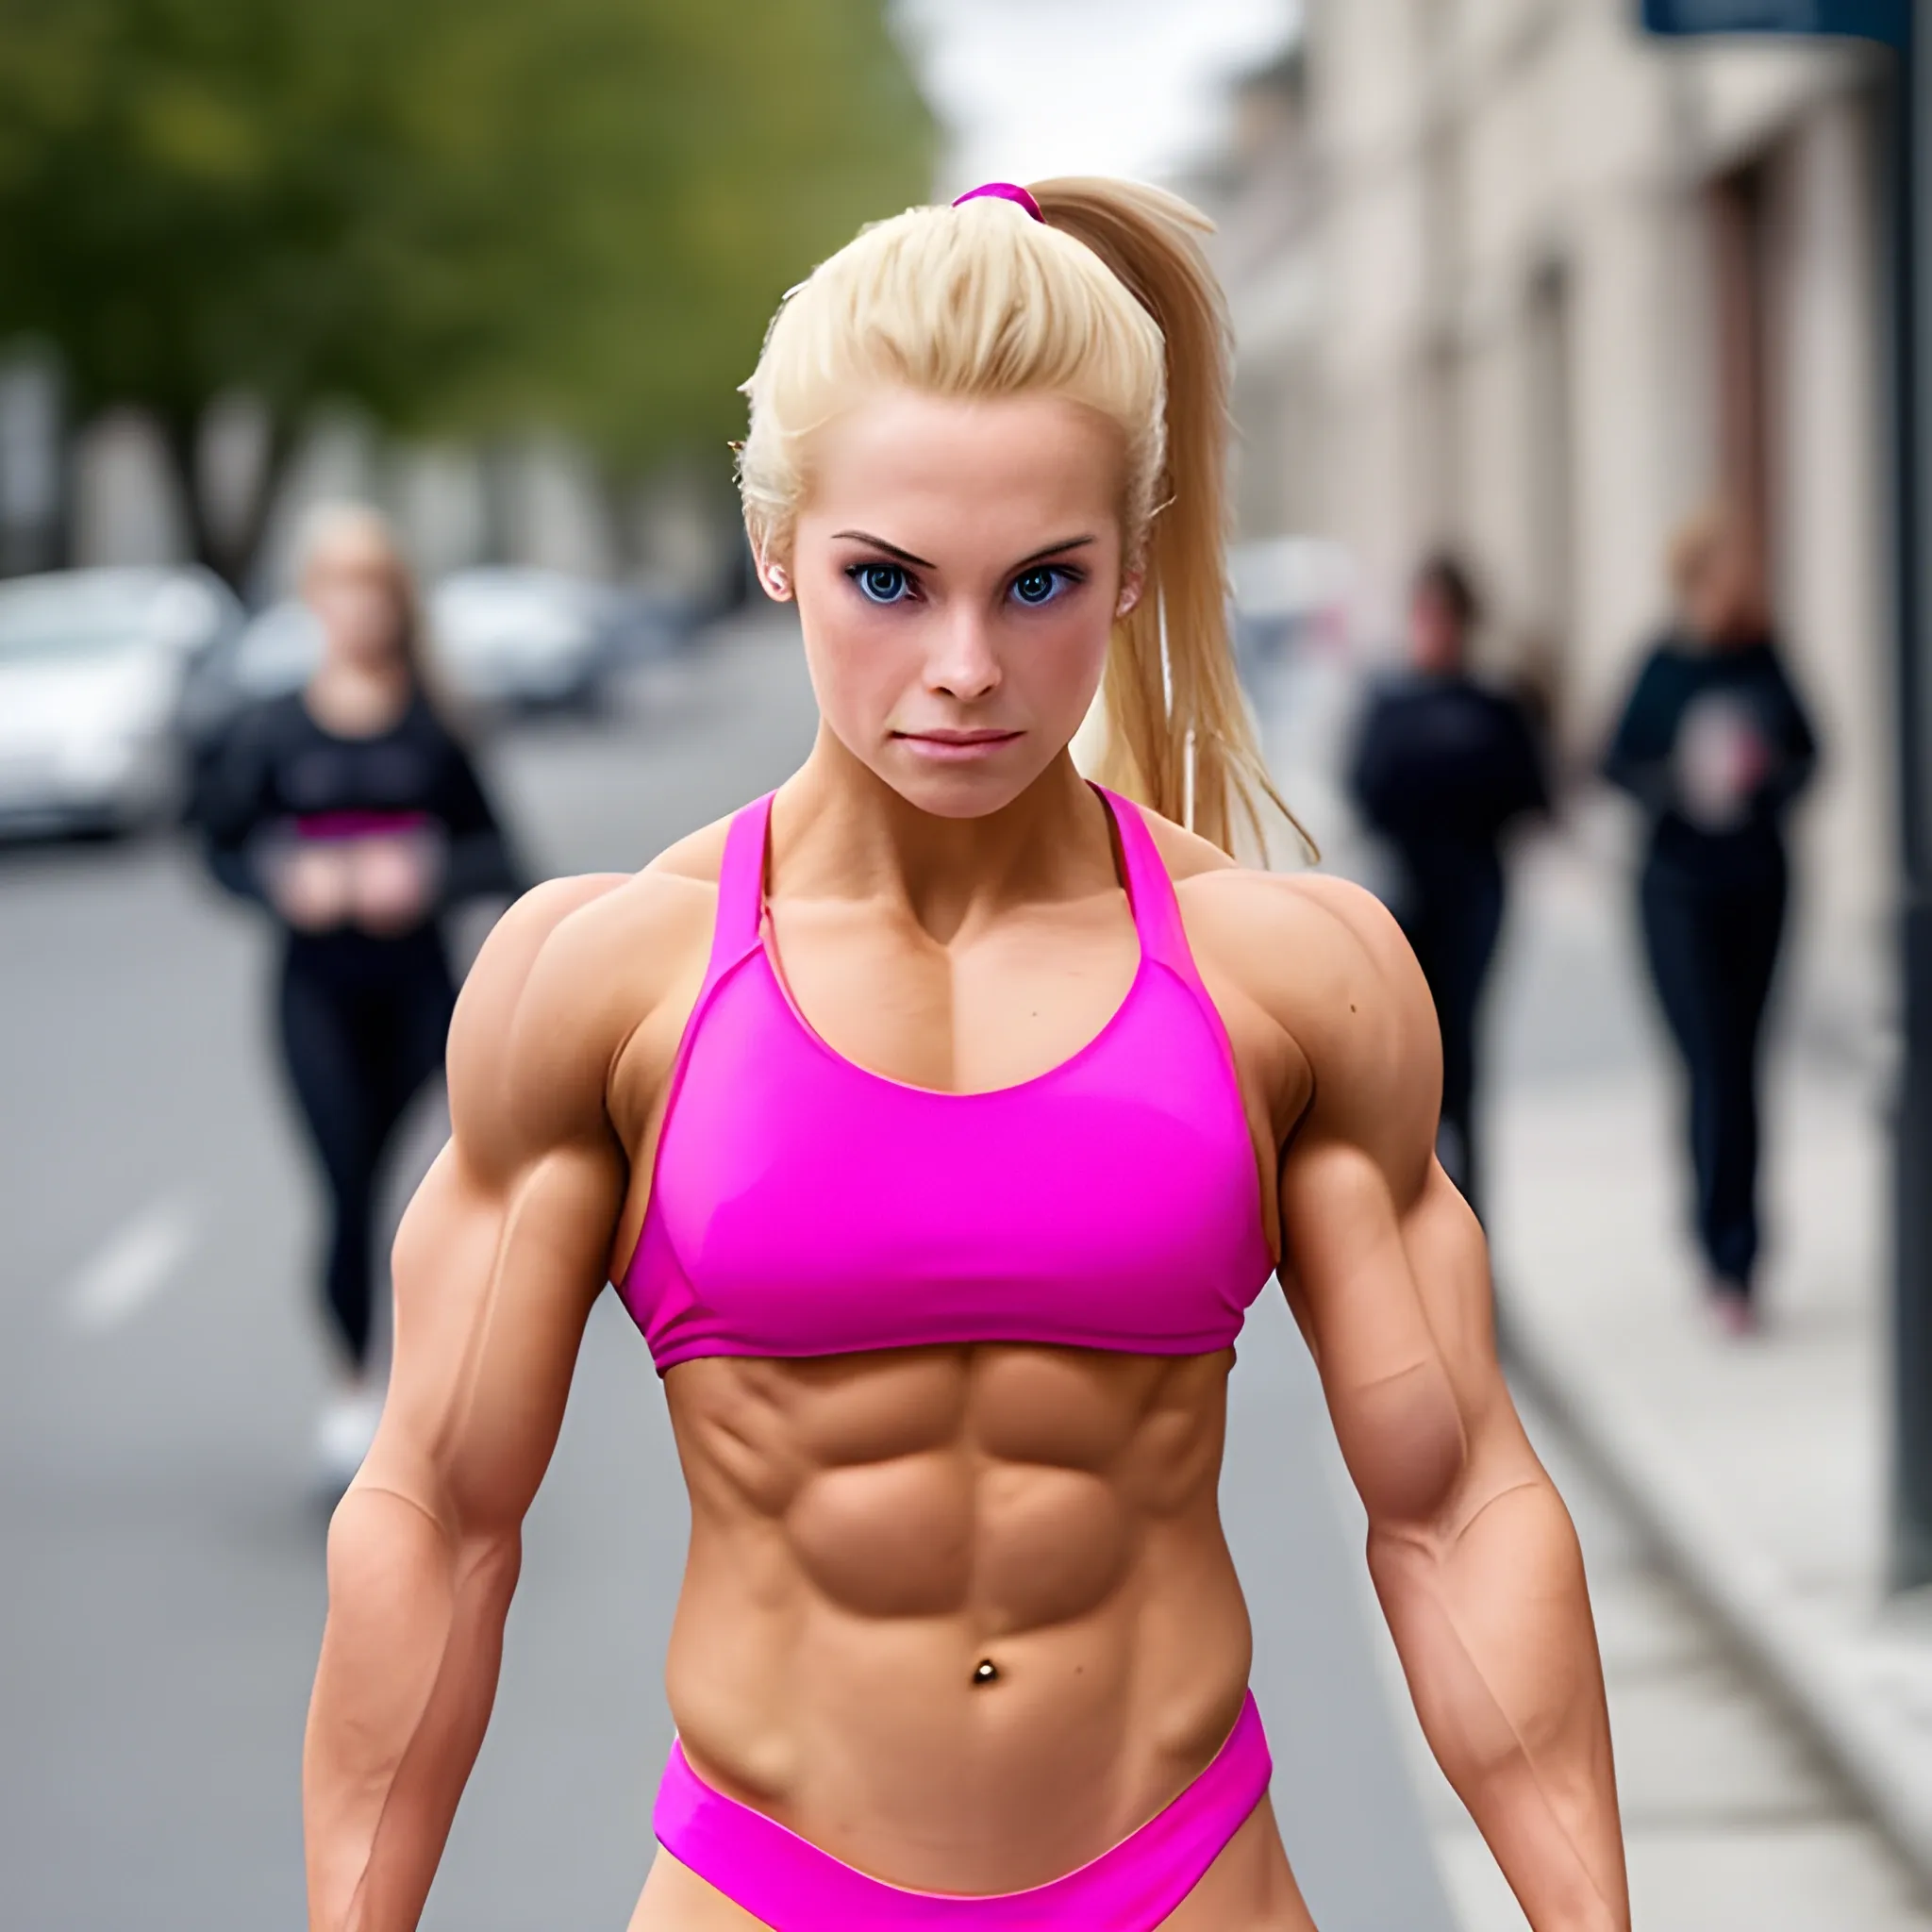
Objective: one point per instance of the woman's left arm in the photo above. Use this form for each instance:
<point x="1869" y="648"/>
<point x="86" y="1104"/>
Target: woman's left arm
<point x="1797" y="760"/>
<point x="480" y="860"/>
<point x="1472" y="1552"/>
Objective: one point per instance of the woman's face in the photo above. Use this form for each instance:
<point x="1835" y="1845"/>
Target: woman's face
<point x="1722" y="601"/>
<point x="1435" y="630"/>
<point x="350" y="584"/>
<point x="959" y="568"/>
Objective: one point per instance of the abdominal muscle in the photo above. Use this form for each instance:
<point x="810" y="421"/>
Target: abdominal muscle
<point x="868" y="1532"/>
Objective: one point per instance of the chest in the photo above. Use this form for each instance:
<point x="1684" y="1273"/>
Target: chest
<point x="987" y="1011"/>
<point x="801" y="1204"/>
<point x="319" y="775"/>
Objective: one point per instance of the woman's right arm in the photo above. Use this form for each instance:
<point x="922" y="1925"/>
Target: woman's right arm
<point x="1796" y="762"/>
<point x="1637" y="759"/>
<point x="1377" y="767"/>
<point x="231" y="803"/>
<point x="498" y="1260"/>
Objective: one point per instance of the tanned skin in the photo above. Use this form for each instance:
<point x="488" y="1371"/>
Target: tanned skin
<point x="945" y="901"/>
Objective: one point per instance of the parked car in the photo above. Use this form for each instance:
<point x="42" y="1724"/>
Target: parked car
<point x="522" y="638"/>
<point x="500" y="640"/>
<point x="92" y="665"/>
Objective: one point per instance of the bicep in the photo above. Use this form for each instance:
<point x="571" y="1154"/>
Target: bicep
<point x="1801" y="739"/>
<point x="502" y="1252"/>
<point x="1645" y="728"/>
<point x="1385" y="1257"/>
<point x="1377" y="1287"/>
<point x="231" y="792"/>
<point x="493" y="1285"/>
<point x="464" y="805"/>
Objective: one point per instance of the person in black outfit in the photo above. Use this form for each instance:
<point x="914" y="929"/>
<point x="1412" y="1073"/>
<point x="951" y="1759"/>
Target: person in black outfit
<point x="352" y="813"/>
<point x="1443" y="765"/>
<point x="1715" y="745"/>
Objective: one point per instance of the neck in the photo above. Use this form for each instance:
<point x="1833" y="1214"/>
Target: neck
<point x="358" y="698"/>
<point x="839" y="831"/>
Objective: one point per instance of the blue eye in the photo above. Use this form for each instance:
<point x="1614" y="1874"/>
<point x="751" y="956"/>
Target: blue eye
<point x="880" y="583"/>
<point x="1041" y="585"/>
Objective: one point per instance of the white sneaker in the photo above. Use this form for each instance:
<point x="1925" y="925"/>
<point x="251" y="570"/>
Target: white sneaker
<point x="343" y="1436"/>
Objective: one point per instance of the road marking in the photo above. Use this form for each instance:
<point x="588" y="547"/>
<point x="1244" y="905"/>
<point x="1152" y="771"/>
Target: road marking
<point x="133" y="1267"/>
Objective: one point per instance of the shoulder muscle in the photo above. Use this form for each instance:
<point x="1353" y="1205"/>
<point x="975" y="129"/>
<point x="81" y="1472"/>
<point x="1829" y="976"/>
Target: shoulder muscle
<point x="1326" y="961"/>
<point x="571" y="973"/>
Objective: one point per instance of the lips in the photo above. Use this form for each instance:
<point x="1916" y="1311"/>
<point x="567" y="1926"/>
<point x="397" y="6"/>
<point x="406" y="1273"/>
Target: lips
<point x="955" y="746"/>
<point x="983" y="737"/>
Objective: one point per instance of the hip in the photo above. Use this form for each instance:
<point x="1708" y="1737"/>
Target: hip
<point x="1210" y="1857"/>
<point x="353" y="964"/>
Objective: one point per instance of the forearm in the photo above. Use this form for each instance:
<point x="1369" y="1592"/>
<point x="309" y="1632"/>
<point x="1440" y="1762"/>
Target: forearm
<point x="403" y="1691"/>
<point x="1492" y="1622"/>
<point x="236" y="873"/>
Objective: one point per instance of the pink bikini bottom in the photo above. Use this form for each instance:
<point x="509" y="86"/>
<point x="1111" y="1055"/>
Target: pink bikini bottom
<point x="779" y="1877"/>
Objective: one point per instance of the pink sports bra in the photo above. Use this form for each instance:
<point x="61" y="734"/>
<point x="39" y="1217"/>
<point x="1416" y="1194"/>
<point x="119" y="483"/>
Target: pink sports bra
<point x="803" y="1206"/>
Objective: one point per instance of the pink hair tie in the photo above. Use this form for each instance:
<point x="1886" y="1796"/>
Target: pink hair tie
<point x="1003" y="190"/>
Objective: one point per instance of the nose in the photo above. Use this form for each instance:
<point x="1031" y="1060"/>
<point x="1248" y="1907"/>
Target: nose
<point x="963" y="663"/>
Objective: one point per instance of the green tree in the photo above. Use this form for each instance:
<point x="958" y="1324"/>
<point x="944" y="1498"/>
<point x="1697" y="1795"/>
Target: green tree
<point x="463" y="215"/>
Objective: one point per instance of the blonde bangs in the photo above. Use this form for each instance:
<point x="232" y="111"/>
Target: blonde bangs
<point x="974" y="300"/>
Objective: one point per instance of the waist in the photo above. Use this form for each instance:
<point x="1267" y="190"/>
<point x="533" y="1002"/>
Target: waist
<point x="334" y="826"/>
<point x="1136" y="1882"/>
<point x="348" y="956"/>
<point x="1749" y="854"/>
<point x="1001" y="1803"/>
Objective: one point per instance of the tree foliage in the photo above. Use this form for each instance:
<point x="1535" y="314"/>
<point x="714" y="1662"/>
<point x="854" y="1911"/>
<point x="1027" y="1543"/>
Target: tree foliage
<point x="461" y="215"/>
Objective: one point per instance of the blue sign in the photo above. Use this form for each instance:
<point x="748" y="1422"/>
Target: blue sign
<point x="1866" y="20"/>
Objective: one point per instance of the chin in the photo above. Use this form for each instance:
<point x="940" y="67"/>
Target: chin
<point x="972" y="791"/>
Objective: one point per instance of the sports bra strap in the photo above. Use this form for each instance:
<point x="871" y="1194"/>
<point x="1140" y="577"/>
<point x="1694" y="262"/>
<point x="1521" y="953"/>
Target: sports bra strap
<point x="1150" y="890"/>
<point x="740" y="889"/>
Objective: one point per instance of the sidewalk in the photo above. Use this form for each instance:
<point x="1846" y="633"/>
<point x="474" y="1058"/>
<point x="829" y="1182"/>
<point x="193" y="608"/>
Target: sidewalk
<point x="1757" y="1467"/>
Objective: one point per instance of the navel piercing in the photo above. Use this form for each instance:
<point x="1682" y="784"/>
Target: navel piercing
<point x="988" y="1671"/>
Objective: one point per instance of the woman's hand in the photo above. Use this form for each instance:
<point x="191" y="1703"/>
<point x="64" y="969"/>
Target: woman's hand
<point x="310" y="886"/>
<point x="1722" y="761"/>
<point x="393" y="880"/>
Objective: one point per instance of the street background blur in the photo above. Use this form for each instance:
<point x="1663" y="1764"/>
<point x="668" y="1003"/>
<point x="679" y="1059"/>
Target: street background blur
<point x="1510" y="276"/>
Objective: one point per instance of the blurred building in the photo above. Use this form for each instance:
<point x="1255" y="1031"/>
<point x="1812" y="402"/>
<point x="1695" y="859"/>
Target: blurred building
<point x="1508" y="273"/>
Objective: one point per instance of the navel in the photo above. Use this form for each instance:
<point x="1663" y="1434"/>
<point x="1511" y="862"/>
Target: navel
<point x="987" y="1672"/>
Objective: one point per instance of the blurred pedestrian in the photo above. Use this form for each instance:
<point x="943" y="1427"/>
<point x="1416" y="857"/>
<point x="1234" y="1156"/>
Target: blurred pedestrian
<point x="1715" y="744"/>
<point x="351" y="812"/>
<point x="1443" y="765"/>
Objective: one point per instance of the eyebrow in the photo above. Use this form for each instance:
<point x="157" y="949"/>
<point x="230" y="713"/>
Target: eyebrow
<point x="907" y="556"/>
<point x="891" y="549"/>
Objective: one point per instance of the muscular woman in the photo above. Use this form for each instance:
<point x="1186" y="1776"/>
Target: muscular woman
<point x="939" y="1118"/>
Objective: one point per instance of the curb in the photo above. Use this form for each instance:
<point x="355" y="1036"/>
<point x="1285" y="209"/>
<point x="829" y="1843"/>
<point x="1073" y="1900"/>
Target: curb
<point x="1732" y="1582"/>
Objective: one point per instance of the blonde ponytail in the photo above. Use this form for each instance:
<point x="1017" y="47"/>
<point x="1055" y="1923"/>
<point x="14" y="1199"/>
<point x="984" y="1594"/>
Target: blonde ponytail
<point x="1180" y="737"/>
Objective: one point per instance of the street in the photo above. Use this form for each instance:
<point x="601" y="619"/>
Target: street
<point x="159" y="1371"/>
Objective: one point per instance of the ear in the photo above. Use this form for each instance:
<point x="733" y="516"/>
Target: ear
<point x="1133" y="581"/>
<point x="775" y="579"/>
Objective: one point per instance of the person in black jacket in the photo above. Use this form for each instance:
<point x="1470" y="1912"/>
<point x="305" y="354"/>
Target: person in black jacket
<point x="1715" y="744"/>
<point x="352" y="814"/>
<point x="1443" y="765"/>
